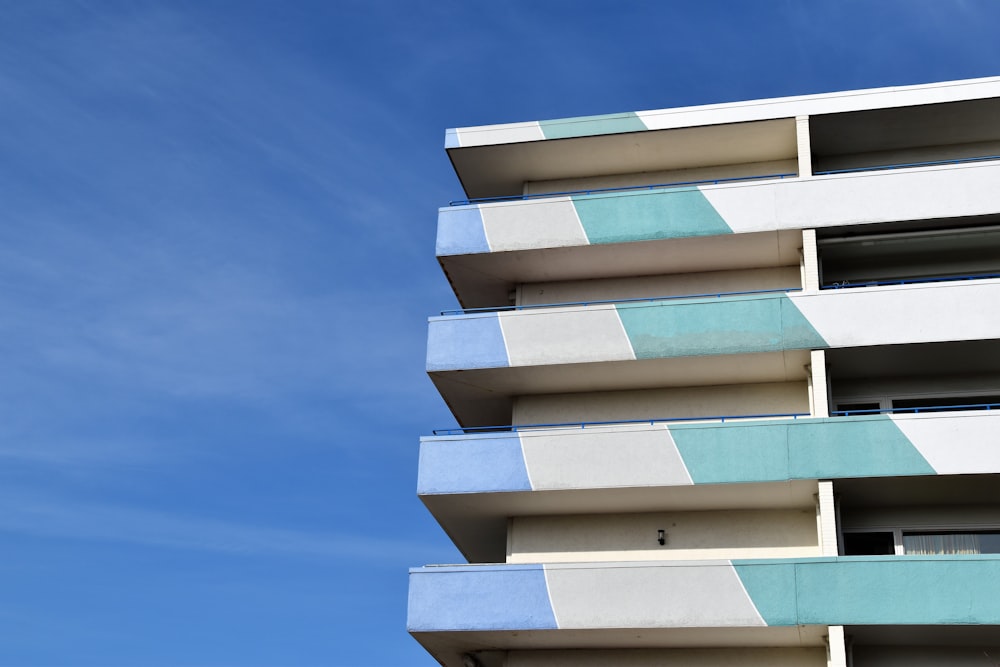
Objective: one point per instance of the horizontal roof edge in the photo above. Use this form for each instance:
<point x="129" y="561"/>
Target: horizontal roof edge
<point x="727" y="112"/>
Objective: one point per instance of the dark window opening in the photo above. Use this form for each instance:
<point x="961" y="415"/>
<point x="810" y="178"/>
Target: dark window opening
<point x="943" y="403"/>
<point x="869" y="544"/>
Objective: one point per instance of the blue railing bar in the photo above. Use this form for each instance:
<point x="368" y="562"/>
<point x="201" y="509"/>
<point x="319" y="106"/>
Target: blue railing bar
<point x="514" y="428"/>
<point x="961" y="160"/>
<point x="519" y="427"/>
<point x="910" y="281"/>
<point x="717" y="295"/>
<point x="623" y="188"/>
<point x="926" y="408"/>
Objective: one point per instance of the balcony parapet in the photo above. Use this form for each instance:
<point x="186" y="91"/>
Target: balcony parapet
<point x="858" y="590"/>
<point x="684" y="454"/>
<point x="949" y="189"/>
<point x="742" y="324"/>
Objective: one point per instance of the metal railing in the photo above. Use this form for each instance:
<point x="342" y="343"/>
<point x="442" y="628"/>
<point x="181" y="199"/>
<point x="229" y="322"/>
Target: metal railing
<point x="927" y="408"/>
<point x="675" y="297"/>
<point x="846" y="284"/>
<point x="514" y="428"/>
<point x="722" y="419"/>
<point x="716" y="181"/>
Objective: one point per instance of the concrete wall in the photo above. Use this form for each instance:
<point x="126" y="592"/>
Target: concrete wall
<point x="710" y="282"/>
<point x="906" y="156"/>
<point x="703" y="535"/>
<point x="675" y="657"/>
<point x="789" y="166"/>
<point x="853" y="390"/>
<point x="926" y="656"/>
<point x="949" y="517"/>
<point x="750" y="399"/>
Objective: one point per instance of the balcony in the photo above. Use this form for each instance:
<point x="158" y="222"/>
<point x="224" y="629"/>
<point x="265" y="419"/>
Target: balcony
<point x="481" y="360"/>
<point x="710" y="603"/>
<point x="472" y="482"/>
<point x="487" y="249"/>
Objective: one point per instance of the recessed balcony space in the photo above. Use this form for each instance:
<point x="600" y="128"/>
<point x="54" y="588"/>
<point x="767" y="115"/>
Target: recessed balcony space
<point x="951" y="515"/>
<point x="918" y="252"/>
<point x="923" y="645"/>
<point x="648" y="288"/>
<point x="480" y="523"/>
<point x="902" y="137"/>
<point x="651" y="536"/>
<point x="664" y="405"/>
<point x="656" y="267"/>
<point x="755" y="149"/>
<point x="688" y="388"/>
<point x="913" y="379"/>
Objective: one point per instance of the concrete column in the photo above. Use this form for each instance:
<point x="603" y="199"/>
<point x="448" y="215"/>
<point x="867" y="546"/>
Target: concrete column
<point x="836" y="648"/>
<point x="809" y="261"/>
<point x="819" y="395"/>
<point x="805" y="149"/>
<point x="826" y="513"/>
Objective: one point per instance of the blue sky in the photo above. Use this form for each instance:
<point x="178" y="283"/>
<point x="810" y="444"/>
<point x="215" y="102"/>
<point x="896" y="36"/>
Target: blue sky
<point x="216" y="264"/>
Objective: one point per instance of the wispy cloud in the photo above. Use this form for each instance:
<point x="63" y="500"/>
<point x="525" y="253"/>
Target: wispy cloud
<point x="62" y="518"/>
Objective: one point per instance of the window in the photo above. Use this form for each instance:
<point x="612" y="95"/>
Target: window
<point x="916" y="403"/>
<point x="869" y="544"/>
<point x="951" y="543"/>
<point x="920" y="542"/>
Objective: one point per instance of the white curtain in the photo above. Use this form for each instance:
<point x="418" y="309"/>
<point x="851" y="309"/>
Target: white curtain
<point x="941" y="543"/>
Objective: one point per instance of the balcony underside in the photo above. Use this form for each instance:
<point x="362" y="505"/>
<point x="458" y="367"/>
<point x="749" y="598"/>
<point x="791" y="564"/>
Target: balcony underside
<point x="502" y="170"/>
<point x="483" y="397"/>
<point x="871" y="644"/>
<point x="448" y="647"/>
<point x="486" y="280"/>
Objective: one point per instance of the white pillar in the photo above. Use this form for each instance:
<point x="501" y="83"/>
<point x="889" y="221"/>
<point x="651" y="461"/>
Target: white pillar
<point x="836" y="648"/>
<point x="819" y="394"/>
<point x="826" y="519"/>
<point x="809" y="261"/>
<point x="805" y="149"/>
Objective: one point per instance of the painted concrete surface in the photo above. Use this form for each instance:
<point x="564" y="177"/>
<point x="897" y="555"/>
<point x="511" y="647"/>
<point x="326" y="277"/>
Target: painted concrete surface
<point x="605" y="456"/>
<point x="735" y="452"/>
<point x="859" y="590"/>
<point x="593" y="332"/>
<point x="735" y="112"/>
<point x="699" y="535"/>
<point x="652" y="287"/>
<point x="657" y="177"/>
<point x="807" y="203"/>
<point x="511" y="596"/>
<point x="691" y="595"/>
<point x="761" y="398"/>
<point x="931" y="312"/>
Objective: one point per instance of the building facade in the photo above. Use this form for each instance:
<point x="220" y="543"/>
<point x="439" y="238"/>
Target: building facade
<point x="724" y="379"/>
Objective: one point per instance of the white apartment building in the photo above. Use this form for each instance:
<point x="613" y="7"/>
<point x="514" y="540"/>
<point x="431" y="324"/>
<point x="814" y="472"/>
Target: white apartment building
<point x="727" y="381"/>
